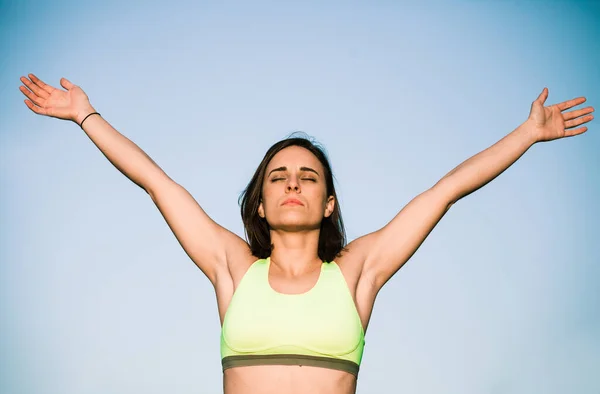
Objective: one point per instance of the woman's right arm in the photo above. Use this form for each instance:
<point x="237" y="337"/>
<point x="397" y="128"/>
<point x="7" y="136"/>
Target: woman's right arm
<point x="209" y="245"/>
<point x="204" y="241"/>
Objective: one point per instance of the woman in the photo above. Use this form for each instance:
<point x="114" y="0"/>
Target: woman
<point x="295" y="301"/>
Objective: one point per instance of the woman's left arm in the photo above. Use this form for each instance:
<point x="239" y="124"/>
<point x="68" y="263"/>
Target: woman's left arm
<point x="385" y="251"/>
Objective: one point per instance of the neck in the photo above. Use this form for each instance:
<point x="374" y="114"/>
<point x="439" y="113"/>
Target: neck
<point x="295" y="253"/>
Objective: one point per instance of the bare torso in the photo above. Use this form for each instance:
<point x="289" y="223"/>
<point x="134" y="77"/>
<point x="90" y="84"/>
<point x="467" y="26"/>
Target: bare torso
<point x="294" y="379"/>
<point x="285" y="379"/>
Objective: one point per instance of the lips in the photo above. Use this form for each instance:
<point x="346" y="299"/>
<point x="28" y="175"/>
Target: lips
<point x="293" y="201"/>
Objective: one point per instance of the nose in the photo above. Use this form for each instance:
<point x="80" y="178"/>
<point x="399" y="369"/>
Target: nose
<point x="293" y="185"/>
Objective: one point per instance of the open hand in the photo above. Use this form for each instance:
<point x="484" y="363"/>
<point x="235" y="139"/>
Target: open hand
<point x="72" y="104"/>
<point x="551" y="123"/>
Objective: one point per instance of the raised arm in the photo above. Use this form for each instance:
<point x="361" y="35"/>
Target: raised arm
<point x="385" y="251"/>
<point x="209" y="245"/>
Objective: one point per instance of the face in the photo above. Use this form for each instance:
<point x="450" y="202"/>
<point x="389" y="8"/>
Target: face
<point x="294" y="192"/>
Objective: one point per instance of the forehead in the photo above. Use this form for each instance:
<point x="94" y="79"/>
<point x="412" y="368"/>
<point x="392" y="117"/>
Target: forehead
<point x="294" y="157"/>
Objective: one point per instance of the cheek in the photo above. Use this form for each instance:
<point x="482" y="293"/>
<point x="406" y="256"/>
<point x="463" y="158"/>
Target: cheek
<point x="269" y="197"/>
<point x="318" y="199"/>
<point x="322" y="193"/>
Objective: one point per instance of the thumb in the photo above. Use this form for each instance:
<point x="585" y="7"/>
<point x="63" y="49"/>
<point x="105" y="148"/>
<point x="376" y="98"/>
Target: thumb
<point x="543" y="96"/>
<point x="65" y="83"/>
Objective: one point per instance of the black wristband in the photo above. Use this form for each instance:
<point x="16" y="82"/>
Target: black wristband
<point x="93" y="113"/>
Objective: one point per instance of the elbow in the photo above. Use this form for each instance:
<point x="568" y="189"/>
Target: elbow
<point x="446" y="193"/>
<point x="156" y="184"/>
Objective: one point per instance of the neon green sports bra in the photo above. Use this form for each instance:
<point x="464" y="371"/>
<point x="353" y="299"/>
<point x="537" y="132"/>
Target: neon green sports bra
<point x="319" y="328"/>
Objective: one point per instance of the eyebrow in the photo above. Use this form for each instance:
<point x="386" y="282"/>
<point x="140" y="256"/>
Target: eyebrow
<point x="285" y="169"/>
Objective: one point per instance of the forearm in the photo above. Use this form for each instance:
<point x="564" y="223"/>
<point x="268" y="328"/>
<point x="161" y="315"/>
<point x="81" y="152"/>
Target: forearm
<point x="488" y="164"/>
<point x="125" y="155"/>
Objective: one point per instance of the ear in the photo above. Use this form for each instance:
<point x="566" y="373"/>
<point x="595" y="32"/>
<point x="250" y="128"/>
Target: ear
<point x="261" y="210"/>
<point x="329" y="206"/>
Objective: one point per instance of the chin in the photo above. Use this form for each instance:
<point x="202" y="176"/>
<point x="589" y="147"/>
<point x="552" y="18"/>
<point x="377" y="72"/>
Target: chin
<point x="294" y="222"/>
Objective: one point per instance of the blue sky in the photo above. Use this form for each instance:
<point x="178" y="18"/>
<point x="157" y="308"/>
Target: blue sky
<point x="96" y="294"/>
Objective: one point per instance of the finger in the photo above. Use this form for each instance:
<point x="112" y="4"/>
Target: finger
<point x="571" y="133"/>
<point x="570" y="103"/>
<point x="578" y="121"/>
<point x="578" y="113"/>
<point x="35" y="108"/>
<point x="31" y="96"/>
<point x="65" y="83"/>
<point x="34" y="88"/>
<point x="41" y="84"/>
<point x="543" y="96"/>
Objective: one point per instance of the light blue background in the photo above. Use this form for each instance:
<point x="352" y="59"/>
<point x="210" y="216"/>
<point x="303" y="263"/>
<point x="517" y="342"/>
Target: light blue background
<point x="98" y="297"/>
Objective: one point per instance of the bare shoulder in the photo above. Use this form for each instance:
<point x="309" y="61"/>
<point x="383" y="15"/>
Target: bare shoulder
<point x="237" y="257"/>
<point x="352" y="264"/>
<point x="239" y="265"/>
<point x="352" y="259"/>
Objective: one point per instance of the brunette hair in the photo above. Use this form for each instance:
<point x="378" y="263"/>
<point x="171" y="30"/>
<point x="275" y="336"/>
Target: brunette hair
<point x="332" y="237"/>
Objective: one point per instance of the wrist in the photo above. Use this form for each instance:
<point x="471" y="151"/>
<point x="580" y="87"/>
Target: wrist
<point x="528" y="131"/>
<point x="82" y="113"/>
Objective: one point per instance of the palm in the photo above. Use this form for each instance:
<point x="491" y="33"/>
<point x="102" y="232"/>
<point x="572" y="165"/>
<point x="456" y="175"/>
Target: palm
<point x="57" y="104"/>
<point x="50" y="101"/>
<point x="552" y="122"/>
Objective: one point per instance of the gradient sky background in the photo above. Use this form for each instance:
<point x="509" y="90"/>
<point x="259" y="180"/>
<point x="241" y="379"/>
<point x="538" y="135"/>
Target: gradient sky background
<point x="96" y="295"/>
